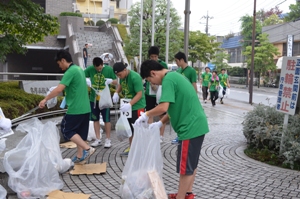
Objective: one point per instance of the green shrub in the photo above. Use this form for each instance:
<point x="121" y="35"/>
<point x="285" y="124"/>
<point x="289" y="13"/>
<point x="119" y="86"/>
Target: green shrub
<point x="74" y="14"/>
<point x="14" y="102"/>
<point x="100" y="23"/>
<point x="113" y="20"/>
<point x="122" y="30"/>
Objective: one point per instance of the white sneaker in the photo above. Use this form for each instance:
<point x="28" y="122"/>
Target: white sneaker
<point x="96" y="143"/>
<point x="107" y="143"/>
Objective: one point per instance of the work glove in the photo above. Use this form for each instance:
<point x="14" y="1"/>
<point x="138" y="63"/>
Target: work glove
<point x="108" y="81"/>
<point x="5" y="123"/>
<point x="115" y="98"/>
<point x="155" y="124"/>
<point x="125" y="107"/>
<point x="142" y="119"/>
<point x="88" y="82"/>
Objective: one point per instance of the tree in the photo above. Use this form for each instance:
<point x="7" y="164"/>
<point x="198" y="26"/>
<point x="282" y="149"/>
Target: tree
<point x="262" y="15"/>
<point x="113" y="20"/>
<point x="294" y="13"/>
<point x="133" y="40"/>
<point x="247" y="24"/>
<point x="202" y="47"/>
<point x="221" y="61"/>
<point x="100" y="23"/>
<point x="23" y="22"/>
<point x="272" y="20"/>
<point x="263" y="56"/>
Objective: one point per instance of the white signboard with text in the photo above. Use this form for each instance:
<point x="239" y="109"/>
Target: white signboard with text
<point x="288" y="85"/>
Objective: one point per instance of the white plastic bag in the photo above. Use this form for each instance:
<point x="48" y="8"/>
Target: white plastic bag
<point x="2" y="144"/>
<point x="123" y="129"/>
<point x="158" y="94"/>
<point x="144" y="163"/>
<point x="221" y="92"/>
<point x="227" y="92"/>
<point x="32" y="165"/>
<point x="105" y="98"/>
<point x="91" y="134"/>
<point x="3" y="193"/>
<point x="53" y="101"/>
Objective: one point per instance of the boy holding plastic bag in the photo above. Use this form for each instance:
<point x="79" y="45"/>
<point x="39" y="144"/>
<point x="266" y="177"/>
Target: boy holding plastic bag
<point x="224" y="82"/>
<point x="131" y="86"/>
<point x="75" y="123"/>
<point x="180" y="101"/>
<point x="100" y="78"/>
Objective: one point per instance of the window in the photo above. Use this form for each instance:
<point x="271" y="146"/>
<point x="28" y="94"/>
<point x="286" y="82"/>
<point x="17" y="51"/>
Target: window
<point x="296" y="49"/>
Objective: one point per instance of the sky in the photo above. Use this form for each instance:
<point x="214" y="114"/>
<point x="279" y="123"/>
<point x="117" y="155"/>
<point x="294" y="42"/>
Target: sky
<point x="225" y="13"/>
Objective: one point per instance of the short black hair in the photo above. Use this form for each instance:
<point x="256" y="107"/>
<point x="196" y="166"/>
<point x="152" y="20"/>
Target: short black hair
<point x="223" y="69"/>
<point x="86" y="44"/>
<point x="63" y="54"/>
<point x="148" y="66"/>
<point x="215" y="72"/>
<point x="180" y="55"/>
<point x="97" y="61"/>
<point x="207" y="67"/>
<point x="153" y="50"/>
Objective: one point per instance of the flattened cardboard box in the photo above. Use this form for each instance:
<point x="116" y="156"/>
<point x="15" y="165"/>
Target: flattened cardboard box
<point x="62" y="195"/>
<point x="157" y="185"/>
<point x="88" y="169"/>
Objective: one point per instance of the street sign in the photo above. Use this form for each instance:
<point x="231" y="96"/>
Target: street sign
<point x="288" y="85"/>
<point x="290" y="41"/>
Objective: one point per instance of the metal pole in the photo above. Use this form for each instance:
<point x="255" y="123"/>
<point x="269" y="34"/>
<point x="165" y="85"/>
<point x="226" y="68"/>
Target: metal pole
<point x="141" y="37"/>
<point x="153" y="20"/>
<point x="187" y="13"/>
<point x="167" y="32"/>
<point x="252" y="56"/>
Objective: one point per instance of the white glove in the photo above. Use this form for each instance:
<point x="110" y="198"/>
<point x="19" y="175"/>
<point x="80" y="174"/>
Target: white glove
<point x="125" y="107"/>
<point x="5" y="123"/>
<point x="108" y="81"/>
<point x="142" y="119"/>
<point x="88" y="82"/>
<point x="115" y="98"/>
<point x="153" y="125"/>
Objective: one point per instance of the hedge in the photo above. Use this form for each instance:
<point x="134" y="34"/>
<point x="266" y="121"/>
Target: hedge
<point x="71" y="14"/>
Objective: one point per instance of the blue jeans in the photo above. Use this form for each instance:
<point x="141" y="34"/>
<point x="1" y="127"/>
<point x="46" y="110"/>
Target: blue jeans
<point x="85" y="61"/>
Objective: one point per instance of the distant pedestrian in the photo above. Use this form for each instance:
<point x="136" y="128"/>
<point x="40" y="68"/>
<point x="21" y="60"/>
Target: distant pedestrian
<point x="75" y="123"/>
<point x="85" y="54"/>
<point x="213" y="88"/>
<point x="224" y="82"/>
<point x="204" y="81"/>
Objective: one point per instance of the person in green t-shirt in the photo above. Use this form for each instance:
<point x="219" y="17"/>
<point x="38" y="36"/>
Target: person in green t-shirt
<point x="188" y="119"/>
<point x="224" y="82"/>
<point x="131" y="86"/>
<point x="204" y="81"/>
<point x="75" y="123"/>
<point x="213" y="87"/>
<point x="100" y="76"/>
<point x="153" y="53"/>
<point x="185" y="69"/>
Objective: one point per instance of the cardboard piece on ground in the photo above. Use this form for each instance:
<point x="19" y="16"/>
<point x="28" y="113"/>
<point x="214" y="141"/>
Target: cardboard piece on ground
<point x="89" y="169"/>
<point x="62" y="195"/>
<point x="157" y="185"/>
<point x="69" y="145"/>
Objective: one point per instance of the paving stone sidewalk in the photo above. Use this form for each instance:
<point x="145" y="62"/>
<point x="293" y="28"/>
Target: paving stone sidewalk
<point x="224" y="171"/>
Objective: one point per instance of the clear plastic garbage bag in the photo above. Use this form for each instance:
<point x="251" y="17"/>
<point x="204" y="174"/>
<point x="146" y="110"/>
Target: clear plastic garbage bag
<point x="221" y="92"/>
<point x="105" y="98"/>
<point x="142" y="173"/>
<point x="227" y="92"/>
<point x="92" y="134"/>
<point x="34" y="164"/>
<point x="3" y="192"/>
<point x="123" y="129"/>
<point x="158" y="94"/>
<point x="53" y="101"/>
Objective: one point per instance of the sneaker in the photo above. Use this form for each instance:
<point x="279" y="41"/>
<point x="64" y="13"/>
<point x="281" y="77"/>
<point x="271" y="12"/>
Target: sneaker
<point x="221" y="101"/>
<point x="96" y="143"/>
<point x="205" y="101"/>
<point x="126" y="152"/>
<point x="175" y="141"/>
<point x="187" y="196"/>
<point x="87" y="153"/>
<point x="107" y="143"/>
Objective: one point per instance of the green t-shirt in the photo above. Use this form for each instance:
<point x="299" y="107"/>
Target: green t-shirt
<point x="213" y="84"/>
<point x="98" y="78"/>
<point x="189" y="72"/>
<point x="223" y="79"/>
<point x="205" y="78"/>
<point x="131" y="85"/>
<point x="76" y="91"/>
<point x="185" y="111"/>
<point x="148" y="83"/>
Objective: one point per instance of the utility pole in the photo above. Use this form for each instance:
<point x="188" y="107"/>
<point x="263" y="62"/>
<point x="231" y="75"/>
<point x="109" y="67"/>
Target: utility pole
<point x="187" y="13"/>
<point x="252" y="55"/>
<point x="207" y="18"/>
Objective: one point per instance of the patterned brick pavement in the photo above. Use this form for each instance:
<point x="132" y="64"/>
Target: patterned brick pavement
<point x="224" y="171"/>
